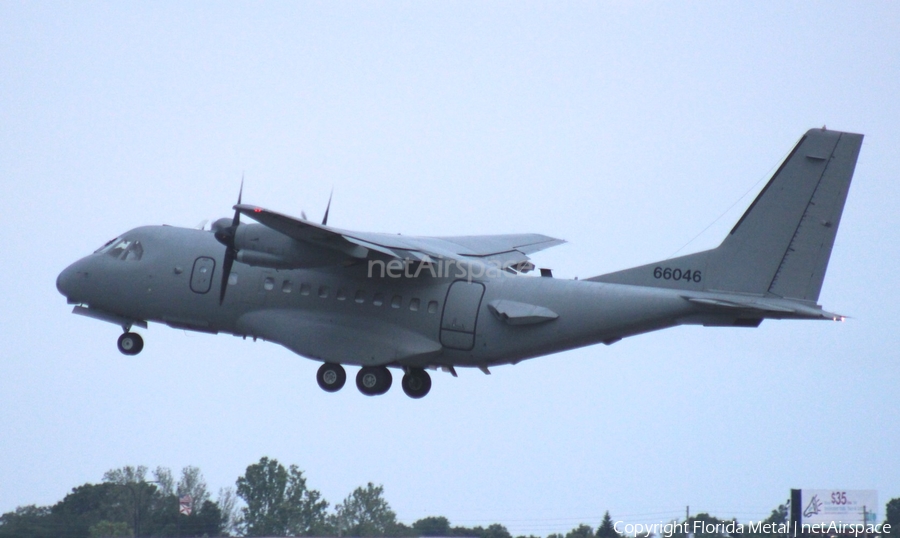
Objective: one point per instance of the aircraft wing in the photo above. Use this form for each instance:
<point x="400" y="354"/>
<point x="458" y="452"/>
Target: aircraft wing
<point x="508" y="249"/>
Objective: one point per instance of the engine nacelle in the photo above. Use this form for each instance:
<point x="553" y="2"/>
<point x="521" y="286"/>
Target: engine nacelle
<point x="260" y="246"/>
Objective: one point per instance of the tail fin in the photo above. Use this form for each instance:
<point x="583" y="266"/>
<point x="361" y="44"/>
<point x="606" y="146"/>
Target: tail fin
<point x="781" y="245"/>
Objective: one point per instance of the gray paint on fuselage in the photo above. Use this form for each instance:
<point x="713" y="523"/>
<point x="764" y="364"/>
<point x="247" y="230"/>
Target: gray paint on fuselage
<point x="157" y="288"/>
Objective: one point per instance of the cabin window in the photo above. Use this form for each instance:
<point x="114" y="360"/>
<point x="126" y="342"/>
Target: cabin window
<point x="378" y="300"/>
<point x="341" y="295"/>
<point x="360" y="297"/>
<point x="395" y="302"/>
<point x="269" y="283"/>
<point x="414" y="305"/>
<point x="286" y="286"/>
<point x="323" y="291"/>
<point x="432" y="307"/>
<point x="304" y="289"/>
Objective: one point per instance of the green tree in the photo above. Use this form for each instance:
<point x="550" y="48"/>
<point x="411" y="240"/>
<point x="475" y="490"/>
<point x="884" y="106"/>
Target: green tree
<point x="365" y="512"/>
<point x="432" y="526"/>
<point x="192" y="484"/>
<point x="110" y="529"/>
<point x="892" y="515"/>
<point x="90" y="504"/>
<point x="162" y="477"/>
<point x="494" y="530"/>
<point x="278" y="501"/>
<point x="581" y="531"/>
<point x="130" y="489"/>
<point x="28" y="521"/>
<point x="205" y="521"/>
<point x="227" y="502"/>
<point x="607" y="528"/>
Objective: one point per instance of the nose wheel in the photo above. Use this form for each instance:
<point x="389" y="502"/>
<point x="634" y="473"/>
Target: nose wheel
<point x="130" y="343"/>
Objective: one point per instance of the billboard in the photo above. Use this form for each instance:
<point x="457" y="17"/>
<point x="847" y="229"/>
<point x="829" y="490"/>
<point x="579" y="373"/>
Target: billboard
<point x="848" y="506"/>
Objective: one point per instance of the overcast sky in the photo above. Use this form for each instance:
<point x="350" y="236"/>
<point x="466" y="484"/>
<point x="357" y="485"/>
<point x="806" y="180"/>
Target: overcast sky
<point x="624" y="128"/>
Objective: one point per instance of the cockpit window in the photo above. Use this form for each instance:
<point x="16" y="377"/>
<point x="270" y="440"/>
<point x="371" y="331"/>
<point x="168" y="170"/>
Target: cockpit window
<point x="124" y="249"/>
<point x="106" y="246"/>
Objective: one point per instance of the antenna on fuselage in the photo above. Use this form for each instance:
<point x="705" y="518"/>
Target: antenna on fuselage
<point x="327" y="208"/>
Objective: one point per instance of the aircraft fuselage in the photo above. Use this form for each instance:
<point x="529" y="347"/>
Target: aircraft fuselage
<point x="174" y="283"/>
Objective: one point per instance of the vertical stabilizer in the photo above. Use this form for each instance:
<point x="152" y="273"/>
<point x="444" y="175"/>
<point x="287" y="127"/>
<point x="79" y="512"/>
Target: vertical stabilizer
<point x="782" y="243"/>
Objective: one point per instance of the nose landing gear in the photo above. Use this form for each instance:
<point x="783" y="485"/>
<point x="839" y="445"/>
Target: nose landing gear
<point x="130" y="343"/>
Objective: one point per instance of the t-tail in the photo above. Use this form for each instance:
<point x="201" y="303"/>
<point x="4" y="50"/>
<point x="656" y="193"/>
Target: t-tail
<point x="778" y="251"/>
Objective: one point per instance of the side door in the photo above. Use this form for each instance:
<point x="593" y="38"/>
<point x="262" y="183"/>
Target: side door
<point x="201" y="275"/>
<point x="461" y="315"/>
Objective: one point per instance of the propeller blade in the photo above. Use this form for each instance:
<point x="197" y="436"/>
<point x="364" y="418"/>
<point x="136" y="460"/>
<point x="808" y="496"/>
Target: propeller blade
<point x="237" y="214"/>
<point x="226" y="272"/>
<point x="226" y="237"/>
<point x="327" y="208"/>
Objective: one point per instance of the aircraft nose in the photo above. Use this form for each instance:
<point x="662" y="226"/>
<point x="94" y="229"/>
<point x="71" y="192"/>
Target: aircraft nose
<point x="69" y="280"/>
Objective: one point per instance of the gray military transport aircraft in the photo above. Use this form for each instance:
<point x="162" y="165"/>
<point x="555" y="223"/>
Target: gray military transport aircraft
<point x="383" y="301"/>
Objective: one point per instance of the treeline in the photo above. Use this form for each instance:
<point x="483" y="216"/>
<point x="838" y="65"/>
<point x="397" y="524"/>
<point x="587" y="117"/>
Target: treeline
<point x="268" y="500"/>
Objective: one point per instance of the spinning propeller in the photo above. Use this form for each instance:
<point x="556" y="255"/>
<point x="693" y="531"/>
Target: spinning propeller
<point x="225" y="235"/>
<point x="226" y="232"/>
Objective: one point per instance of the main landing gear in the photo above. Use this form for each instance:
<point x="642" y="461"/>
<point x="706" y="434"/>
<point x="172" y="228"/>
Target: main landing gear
<point x="416" y="383"/>
<point x="130" y="343"/>
<point x="331" y="377"/>
<point x="374" y="380"/>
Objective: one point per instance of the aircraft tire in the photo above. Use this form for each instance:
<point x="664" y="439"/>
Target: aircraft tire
<point x="416" y="383"/>
<point x="373" y="380"/>
<point x="331" y="377"/>
<point x="130" y="343"/>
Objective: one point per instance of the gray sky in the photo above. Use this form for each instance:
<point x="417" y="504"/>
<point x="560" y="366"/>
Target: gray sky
<point x="625" y="128"/>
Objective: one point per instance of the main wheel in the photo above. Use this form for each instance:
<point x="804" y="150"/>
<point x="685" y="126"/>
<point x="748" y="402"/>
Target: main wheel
<point x="331" y="377"/>
<point x="130" y="343"/>
<point x="416" y="383"/>
<point x="373" y="380"/>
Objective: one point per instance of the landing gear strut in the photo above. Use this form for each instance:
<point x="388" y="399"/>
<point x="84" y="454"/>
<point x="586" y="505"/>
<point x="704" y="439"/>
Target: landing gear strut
<point x="373" y="380"/>
<point x="331" y="377"/>
<point x="416" y="383"/>
<point x="130" y="343"/>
